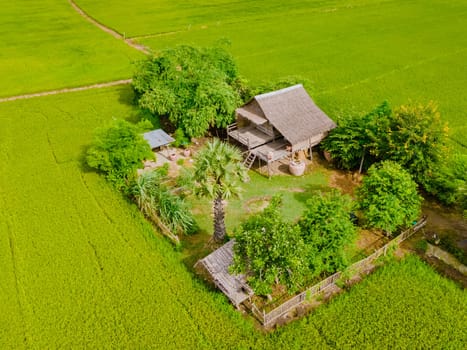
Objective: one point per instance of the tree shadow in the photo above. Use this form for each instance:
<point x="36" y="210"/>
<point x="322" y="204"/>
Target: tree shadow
<point x="126" y="95"/>
<point x="310" y="191"/>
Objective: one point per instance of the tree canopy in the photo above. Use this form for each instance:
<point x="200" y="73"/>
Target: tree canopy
<point x="194" y="88"/>
<point x="411" y="135"/>
<point x="271" y="251"/>
<point x="356" y="137"/>
<point x="328" y="232"/>
<point x="388" y="197"/>
<point x="118" y="149"/>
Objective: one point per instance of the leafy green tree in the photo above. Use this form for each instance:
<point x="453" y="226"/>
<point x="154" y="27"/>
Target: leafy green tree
<point x="413" y="136"/>
<point x="388" y="197"/>
<point x="118" y="150"/>
<point x="449" y="182"/>
<point x="196" y="89"/>
<point x="328" y="232"/>
<point x="217" y="171"/>
<point x="356" y="138"/>
<point x="270" y="251"/>
<point x="156" y="200"/>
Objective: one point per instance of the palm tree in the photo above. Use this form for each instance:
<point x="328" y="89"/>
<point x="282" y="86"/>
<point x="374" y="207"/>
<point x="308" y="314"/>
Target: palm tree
<point x="218" y="169"/>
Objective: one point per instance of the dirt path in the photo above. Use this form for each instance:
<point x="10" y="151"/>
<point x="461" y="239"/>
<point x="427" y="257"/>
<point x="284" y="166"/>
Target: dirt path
<point x="108" y="30"/>
<point x="65" y="90"/>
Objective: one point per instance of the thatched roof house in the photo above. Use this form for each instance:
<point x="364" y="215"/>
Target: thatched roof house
<point x="286" y="117"/>
<point x="217" y="266"/>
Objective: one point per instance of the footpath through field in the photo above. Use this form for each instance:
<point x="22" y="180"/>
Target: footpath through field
<point x="109" y="30"/>
<point x="62" y="91"/>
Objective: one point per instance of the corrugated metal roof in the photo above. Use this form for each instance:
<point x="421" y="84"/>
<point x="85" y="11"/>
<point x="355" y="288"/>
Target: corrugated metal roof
<point x="158" y="138"/>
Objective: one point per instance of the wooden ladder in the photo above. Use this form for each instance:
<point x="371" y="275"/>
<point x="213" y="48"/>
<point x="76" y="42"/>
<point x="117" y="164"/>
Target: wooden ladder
<point x="249" y="160"/>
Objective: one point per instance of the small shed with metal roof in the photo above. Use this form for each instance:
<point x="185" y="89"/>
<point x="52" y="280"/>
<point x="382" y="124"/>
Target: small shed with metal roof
<point x="158" y="138"/>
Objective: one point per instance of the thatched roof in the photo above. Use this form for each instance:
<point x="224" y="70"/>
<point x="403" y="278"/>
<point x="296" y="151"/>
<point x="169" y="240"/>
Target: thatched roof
<point x="217" y="265"/>
<point x="157" y="138"/>
<point x="291" y="111"/>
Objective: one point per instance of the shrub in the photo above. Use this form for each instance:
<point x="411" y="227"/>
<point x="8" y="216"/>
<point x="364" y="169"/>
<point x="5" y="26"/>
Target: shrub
<point x="118" y="150"/>
<point x="388" y="197"/>
<point x="328" y="232"/>
<point x="155" y="199"/>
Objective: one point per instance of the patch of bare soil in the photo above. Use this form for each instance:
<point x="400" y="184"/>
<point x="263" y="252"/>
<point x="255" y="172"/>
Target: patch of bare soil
<point x="446" y="222"/>
<point x="256" y="204"/>
<point x="369" y="241"/>
<point x="346" y="182"/>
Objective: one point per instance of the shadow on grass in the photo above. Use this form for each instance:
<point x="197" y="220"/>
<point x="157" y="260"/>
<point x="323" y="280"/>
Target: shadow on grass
<point x="195" y="247"/>
<point x="310" y="191"/>
<point x="127" y="97"/>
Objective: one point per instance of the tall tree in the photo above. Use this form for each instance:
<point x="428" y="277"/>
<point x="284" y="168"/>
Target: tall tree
<point x="356" y="138"/>
<point x="195" y="89"/>
<point x="388" y="197"/>
<point x="414" y="137"/>
<point x="218" y="169"/>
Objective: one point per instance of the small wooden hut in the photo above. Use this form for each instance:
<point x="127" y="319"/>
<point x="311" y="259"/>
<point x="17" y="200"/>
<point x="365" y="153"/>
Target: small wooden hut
<point x="273" y="125"/>
<point x="217" y="266"/>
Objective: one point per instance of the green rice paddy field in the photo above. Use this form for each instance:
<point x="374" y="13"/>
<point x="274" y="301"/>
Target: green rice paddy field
<point x="45" y="45"/>
<point x="79" y="265"/>
<point x="354" y="53"/>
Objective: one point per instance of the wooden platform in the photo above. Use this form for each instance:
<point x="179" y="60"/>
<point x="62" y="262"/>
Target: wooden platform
<point x="250" y="136"/>
<point x="272" y="151"/>
<point x="217" y="265"/>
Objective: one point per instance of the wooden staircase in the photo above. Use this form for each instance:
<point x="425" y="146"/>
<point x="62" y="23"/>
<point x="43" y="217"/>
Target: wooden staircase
<point x="249" y="160"/>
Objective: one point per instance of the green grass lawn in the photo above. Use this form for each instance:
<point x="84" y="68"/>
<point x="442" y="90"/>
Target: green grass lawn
<point x="82" y="268"/>
<point x="46" y="45"/>
<point x="354" y="53"/>
<point x="295" y="191"/>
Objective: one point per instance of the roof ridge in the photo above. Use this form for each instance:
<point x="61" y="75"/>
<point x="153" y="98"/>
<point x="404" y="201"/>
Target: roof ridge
<point x="278" y="92"/>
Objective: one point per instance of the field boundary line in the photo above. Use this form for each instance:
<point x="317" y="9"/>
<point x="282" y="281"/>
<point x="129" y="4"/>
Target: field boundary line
<point x="66" y="90"/>
<point x="107" y="29"/>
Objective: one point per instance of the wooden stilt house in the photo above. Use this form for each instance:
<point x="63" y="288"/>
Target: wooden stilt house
<point x="274" y="125"/>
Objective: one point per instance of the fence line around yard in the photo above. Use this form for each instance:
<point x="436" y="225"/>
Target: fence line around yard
<point x="268" y="319"/>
